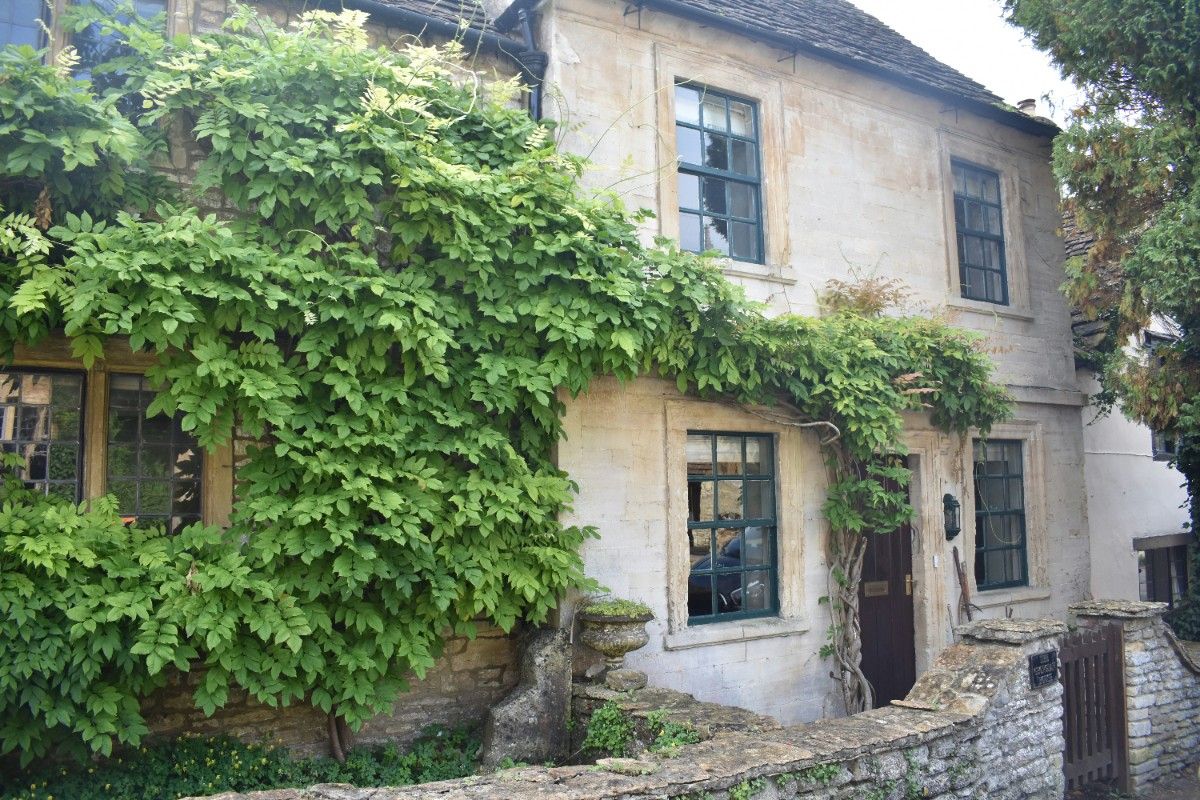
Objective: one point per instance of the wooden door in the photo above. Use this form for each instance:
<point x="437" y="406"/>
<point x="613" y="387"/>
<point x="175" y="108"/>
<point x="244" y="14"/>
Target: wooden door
<point x="885" y="597"/>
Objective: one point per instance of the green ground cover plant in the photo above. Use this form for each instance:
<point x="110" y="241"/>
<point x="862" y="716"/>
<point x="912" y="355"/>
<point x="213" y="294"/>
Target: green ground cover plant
<point x="194" y="766"/>
<point x="406" y="281"/>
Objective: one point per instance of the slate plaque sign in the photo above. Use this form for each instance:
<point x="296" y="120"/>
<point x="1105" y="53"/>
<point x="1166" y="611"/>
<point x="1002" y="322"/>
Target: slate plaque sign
<point x="1043" y="669"/>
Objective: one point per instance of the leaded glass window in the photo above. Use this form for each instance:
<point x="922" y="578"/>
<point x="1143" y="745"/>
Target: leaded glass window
<point x="731" y="526"/>
<point x="153" y="465"/>
<point x="41" y="418"/>
<point x="979" y="228"/>
<point x="717" y="138"/>
<point x="1000" y="553"/>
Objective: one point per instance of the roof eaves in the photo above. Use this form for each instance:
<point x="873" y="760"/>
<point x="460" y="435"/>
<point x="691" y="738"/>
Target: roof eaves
<point x="1011" y="117"/>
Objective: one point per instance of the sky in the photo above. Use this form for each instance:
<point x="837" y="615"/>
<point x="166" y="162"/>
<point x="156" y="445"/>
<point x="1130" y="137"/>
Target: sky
<point x="972" y="37"/>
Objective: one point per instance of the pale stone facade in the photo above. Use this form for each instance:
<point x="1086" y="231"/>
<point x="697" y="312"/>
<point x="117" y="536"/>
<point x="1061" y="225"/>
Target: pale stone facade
<point x="1132" y="496"/>
<point x="856" y="176"/>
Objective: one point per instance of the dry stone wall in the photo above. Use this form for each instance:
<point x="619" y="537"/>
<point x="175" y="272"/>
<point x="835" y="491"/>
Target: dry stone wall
<point x="973" y="727"/>
<point x="1162" y="691"/>
<point x="472" y="676"/>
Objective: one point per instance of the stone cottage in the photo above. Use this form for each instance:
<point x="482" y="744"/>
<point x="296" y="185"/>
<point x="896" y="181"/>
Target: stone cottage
<point x="804" y="141"/>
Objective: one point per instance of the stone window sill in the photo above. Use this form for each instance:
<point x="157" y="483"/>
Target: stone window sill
<point x="1008" y="597"/>
<point x="774" y="273"/>
<point x="990" y="309"/>
<point x="738" y="631"/>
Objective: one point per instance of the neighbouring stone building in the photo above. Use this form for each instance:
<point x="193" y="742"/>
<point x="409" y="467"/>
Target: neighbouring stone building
<point x="807" y="141"/>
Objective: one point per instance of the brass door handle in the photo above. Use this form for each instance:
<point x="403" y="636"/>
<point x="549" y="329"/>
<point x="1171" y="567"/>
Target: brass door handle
<point x="908" y="582"/>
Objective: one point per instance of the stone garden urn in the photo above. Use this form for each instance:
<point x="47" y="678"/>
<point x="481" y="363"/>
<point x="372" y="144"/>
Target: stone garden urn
<point x="615" y="628"/>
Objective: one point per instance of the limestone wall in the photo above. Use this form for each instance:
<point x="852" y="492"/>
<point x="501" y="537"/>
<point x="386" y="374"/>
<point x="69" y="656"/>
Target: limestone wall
<point x="471" y="676"/>
<point x="623" y="444"/>
<point x="972" y="728"/>
<point x="1162" y="692"/>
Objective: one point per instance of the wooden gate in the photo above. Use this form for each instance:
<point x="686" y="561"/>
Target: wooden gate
<point x="1094" y="708"/>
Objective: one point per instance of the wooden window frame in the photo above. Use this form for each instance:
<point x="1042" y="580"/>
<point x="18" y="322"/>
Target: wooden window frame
<point x="727" y="176"/>
<point x="54" y="353"/>
<point x="710" y="527"/>
<point x="981" y="548"/>
<point x="961" y="230"/>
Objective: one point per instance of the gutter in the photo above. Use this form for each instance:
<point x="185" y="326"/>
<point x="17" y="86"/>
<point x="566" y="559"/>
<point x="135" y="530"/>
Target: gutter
<point x="524" y="55"/>
<point x="1013" y="118"/>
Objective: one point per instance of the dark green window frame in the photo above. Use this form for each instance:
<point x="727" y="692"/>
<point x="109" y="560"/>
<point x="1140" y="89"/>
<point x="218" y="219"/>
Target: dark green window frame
<point x="730" y="583"/>
<point x="979" y="233"/>
<point x="1001" y="557"/>
<point x="720" y="173"/>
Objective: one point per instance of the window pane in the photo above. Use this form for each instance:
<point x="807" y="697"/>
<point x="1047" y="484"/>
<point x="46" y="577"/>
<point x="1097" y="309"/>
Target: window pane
<point x="713" y="110"/>
<point x="744" y="158"/>
<point x="990" y="186"/>
<point x="40" y="419"/>
<point x="716" y="151"/>
<point x="729" y="455"/>
<point x="729" y="499"/>
<point x="687" y="144"/>
<point x="689" y="233"/>
<point x="126" y="494"/>
<point x="689" y="192"/>
<point x="756" y="545"/>
<point x="95" y="47"/>
<point x="759" y="501"/>
<point x="19" y="22"/>
<point x="714" y="196"/>
<point x="759" y="458"/>
<point x="153" y="466"/>
<point x="741" y="118"/>
<point x="743" y="241"/>
<point x="756" y="596"/>
<point x="715" y="235"/>
<point x="742" y="201"/>
<point x="687" y="105"/>
<point x="992" y="219"/>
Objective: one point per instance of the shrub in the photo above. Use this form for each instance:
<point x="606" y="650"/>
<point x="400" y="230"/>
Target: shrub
<point x="201" y="766"/>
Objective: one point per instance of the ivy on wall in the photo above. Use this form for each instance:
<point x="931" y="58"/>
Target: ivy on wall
<point x="403" y="283"/>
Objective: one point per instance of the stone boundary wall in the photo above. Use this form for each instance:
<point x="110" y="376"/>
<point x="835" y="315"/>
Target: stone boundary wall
<point x="1162" y="691"/>
<point x="472" y="675"/>
<point x="971" y="728"/>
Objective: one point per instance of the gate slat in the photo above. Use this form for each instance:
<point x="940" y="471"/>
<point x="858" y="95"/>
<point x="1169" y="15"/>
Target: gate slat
<point x="1091" y="667"/>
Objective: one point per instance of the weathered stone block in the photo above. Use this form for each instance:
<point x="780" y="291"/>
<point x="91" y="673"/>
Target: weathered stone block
<point x="530" y="724"/>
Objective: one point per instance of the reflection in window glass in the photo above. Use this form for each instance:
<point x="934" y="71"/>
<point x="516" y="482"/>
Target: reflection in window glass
<point x="979" y="233"/>
<point x="716" y="140"/>
<point x="731" y="526"/>
<point x="41" y="418"/>
<point x="95" y="46"/>
<point x="999" y="515"/>
<point x="153" y="466"/>
<point x="20" y="22"/>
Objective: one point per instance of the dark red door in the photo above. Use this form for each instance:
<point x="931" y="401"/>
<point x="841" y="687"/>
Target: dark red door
<point x="889" y="658"/>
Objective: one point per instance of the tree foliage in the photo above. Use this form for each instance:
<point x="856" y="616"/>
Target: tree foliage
<point x="389" y="278"/>
<point x="1130" y="161"/>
